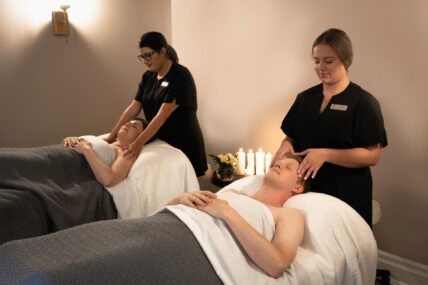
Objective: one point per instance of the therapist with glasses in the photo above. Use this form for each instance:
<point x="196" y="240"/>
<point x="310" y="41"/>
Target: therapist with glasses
<point x="167" y="95"/>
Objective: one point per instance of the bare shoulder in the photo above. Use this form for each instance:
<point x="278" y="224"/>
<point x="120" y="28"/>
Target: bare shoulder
<point x="289" y="230"/>
<point x="291" y="211"/>
<point x="287" y="215"/>
<point x="122" y="162"/>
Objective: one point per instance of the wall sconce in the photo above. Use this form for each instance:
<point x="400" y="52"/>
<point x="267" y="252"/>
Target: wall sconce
<point x="60" y="22"/>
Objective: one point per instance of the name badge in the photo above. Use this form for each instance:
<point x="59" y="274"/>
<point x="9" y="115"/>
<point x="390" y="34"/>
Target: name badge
<point x="338" y="107"/>
<point x="164" y="83"/>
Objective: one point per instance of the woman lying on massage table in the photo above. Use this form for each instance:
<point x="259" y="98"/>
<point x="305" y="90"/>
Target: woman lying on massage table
<point x="51" y="188"/>
<point x="246" y="238"/>
<point x="115" y="168"/>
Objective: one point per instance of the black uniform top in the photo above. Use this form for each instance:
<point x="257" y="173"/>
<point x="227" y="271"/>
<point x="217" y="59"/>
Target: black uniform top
<point x="181" y="129"/>
<point x="351" y="119"/>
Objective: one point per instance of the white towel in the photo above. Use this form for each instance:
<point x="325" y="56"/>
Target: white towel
<point x="102" y="148"/>
<point x="230" y="262"/>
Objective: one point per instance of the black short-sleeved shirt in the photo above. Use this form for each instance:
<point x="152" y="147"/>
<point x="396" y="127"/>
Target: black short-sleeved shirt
<point x="181" y="129"/>
<point x="352" y="119"/>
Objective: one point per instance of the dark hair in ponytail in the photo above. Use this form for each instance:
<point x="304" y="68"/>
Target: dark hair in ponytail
<point x="156" y="41"/>
<point x="171" y="53"/>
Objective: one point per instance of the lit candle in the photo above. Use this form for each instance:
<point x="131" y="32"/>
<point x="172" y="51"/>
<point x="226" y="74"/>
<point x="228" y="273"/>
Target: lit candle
<point x="260" y="162"/>
<point x="268" y="160"/>
<point x="250" y="163"/>
<point x="248" y="172"/>
<point x="240" y="167"/>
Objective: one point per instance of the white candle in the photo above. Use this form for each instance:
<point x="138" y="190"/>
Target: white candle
<point x="260" y="162"/>
<point x="248" y="172"/>
<point x="250" y="162"/>
<point x="240" y="167"/>
<point x="268" y="160"/>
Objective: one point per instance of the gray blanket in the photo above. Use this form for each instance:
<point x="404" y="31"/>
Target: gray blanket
<point x="46" y="189"/>
<point x="158" y="249"/>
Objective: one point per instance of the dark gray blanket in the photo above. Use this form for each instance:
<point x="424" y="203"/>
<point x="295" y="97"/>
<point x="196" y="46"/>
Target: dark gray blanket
<point x="47" y="189"/>
<point x="155" y="250"/>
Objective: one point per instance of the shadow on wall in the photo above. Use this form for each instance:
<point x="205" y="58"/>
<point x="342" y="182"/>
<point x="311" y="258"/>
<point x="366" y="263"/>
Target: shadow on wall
<point x="398" y="177"/>
<point x="50" y="89"/>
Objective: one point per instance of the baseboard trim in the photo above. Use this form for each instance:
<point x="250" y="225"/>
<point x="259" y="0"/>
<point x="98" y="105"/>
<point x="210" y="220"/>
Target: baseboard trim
<point x="403" y="271"/>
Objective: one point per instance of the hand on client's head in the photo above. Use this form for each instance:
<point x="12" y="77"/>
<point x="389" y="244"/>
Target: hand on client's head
<point x="313" y="159"/>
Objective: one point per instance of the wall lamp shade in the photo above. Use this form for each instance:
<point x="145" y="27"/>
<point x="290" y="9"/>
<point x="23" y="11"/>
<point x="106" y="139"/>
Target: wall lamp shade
<point x="60" y="22"/>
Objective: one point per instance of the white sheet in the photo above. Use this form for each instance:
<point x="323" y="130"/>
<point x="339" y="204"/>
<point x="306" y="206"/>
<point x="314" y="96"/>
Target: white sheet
<point x="338" y="247"/>
<point x="160" y="173"/>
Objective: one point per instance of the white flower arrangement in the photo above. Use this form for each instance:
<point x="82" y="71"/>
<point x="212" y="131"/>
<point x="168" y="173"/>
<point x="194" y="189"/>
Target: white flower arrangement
<point x="226" y="165"/>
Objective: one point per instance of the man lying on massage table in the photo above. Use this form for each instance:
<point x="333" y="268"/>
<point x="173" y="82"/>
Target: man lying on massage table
<point x="256" y="229"/>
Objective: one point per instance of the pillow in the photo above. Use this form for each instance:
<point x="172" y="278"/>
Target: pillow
<point x="160" y="173"/>
<point x="247" y="185"/>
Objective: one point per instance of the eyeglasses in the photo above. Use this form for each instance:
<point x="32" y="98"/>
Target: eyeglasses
<point x="146" y="56"/>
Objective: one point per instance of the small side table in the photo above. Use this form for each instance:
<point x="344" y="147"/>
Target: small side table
<point x="220" y="183"/>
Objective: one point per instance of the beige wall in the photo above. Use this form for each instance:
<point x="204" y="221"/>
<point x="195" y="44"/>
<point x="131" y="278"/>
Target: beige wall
<point x="50" y="89"/>
<point x="250" y="58"/>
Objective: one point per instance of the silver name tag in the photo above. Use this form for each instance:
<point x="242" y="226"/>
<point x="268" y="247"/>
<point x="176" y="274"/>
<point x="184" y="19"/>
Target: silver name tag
<point x="338" y="107"/>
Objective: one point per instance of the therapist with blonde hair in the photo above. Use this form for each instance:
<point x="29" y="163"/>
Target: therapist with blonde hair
<point x="337" y="127"/>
